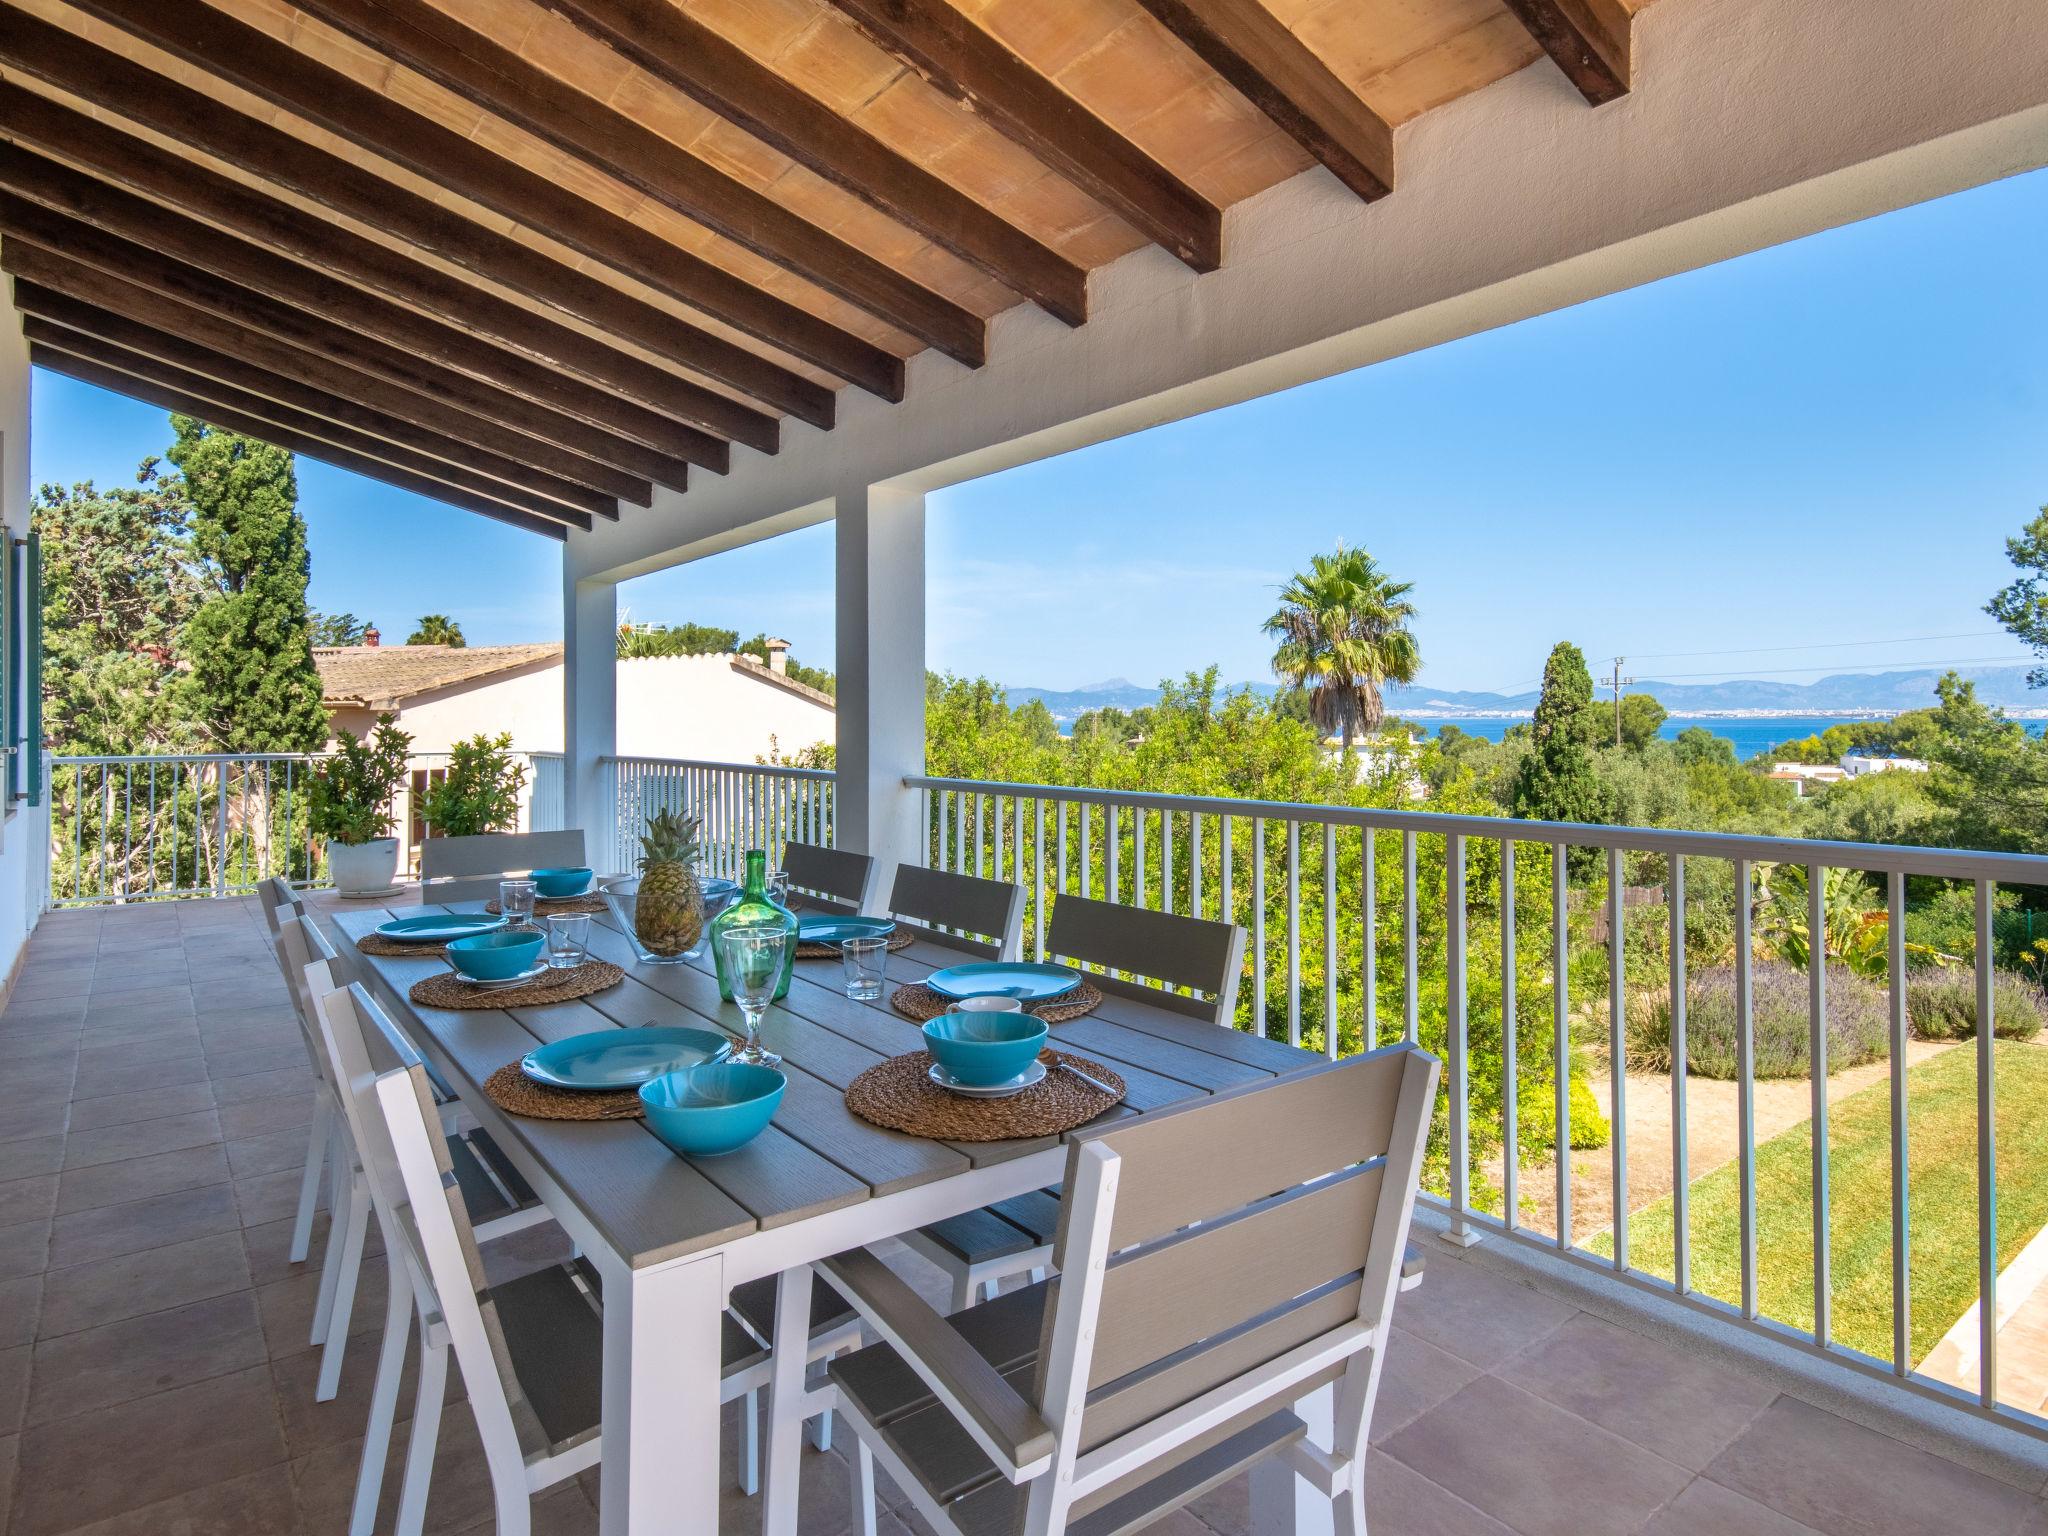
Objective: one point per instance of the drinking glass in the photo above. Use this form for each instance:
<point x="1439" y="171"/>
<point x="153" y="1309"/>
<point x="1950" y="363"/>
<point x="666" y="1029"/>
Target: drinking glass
<point x="778" y="885"/>
<point x="568" y="939"/>
<point x="863" y="959"/>
<point x="515" y="900"/>
<point x="753" y="960"/>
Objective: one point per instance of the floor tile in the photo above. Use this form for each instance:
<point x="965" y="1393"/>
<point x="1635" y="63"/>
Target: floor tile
<point x="270" y="1058"/>
<point x="118" y="1460"/>
<point x="1524" y="1462"/>
<point x="108" y="1290"/>
<point x="28" y="1199"/>
<point x="259" y="1117"/>
<point x="146" y="1104"/>
<point x="81" y="1189"/>
<point x="287" y="1305"/>
<point x="99" y="1081"/>
<point x="24" y="1248"/>
<point x="1476" y="1315"/>
<point x="1707" y="1509"/>
<point x="1840" y="1478"/>
<point x="156" y="1047"/>
<point x="108" y="1231"/>
<point x="21" y="1308"/>
<point x="141" y="1138"/>
<point x="14" y="1379"/>
<point x="99" y="1367"/>
<point x="272" y="1152"/>
<point x="258" y="1504"/>
<point x="38" y="1123"/>
<point x="1416" y="1377"/>
<point x="1663" y="1399"/>
<point x="297" y="1078"/>
<point x="30" y="1158"/>
<point x="269" y="1196"/>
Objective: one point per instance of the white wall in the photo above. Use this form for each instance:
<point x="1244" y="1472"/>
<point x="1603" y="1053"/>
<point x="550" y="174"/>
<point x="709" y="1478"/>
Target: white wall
<point x="527" y="703"/>
<point x="25" y="832"/>
<point x="701" y="707"/>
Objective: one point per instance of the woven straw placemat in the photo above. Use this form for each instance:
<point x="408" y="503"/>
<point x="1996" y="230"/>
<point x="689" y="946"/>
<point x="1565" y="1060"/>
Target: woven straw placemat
<point x="918" y="1002"/>
<point x="559" y="906"/>
<point x="447" y="991"/>
<point x="831" y="951"/>
<point x="898" y="1095"/>
<point x="512" y="1090"/>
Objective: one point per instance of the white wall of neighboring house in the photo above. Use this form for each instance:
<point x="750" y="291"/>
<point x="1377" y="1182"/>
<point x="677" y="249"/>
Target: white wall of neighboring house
<point x="25" y="831"/>
<point x="526" y="702"/>
<point x="714" y="708"/>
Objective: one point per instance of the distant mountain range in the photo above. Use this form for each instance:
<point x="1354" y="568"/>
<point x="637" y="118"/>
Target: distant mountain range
<point x="1847" y="693"/>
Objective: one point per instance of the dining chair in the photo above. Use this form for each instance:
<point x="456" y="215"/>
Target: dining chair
<point x="1220" y="1262"/>
<point x="493" y="1191"/>
<point x="469" y="868"/>
<point x="978" y="1250"/>
<point x="827" y="879"/>
<point x="981" y="917"/>
<point x="530" y="1348"/>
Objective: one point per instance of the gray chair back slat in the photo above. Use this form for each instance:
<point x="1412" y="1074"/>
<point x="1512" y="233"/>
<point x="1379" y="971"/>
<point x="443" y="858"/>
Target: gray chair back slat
<point x="469" y="868"/>
<point x="1165" y="946"/>
<point x="831" y="878"/>
<point x="983" y="917"/>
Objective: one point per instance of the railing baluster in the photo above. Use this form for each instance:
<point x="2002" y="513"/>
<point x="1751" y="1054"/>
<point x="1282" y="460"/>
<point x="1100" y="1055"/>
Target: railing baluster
<point x="1617" y="1051"/>
<point x="1166" y="861"/>
<point x="1987" y="1159"/>
<point x="1195" y="870"/>
<point x="1681" y="1162"/>
<point x="960" y="832"/>
<point x="1745" y="1087"/>
<point x="1411" y="1002"/>
<point x="1138" y="895"/>
<point x="1458" y="1087"/>
<point x="1817" y="1076"/>
<point x="1258" y="897"/>
<point x="1330" y="939"/>
<point x="1293" y="931"/>
<point x="1060" y="840"/>
<point x="1087" y="855"/>
<point x="1038" y="877"/>
<point x="1113" y="886"/>
<point x="1902" y="1267"/>
<point x="1561" y="1040"/>
<point x="1226" y="898"/>
<point x="1368" y="924"/>
<point x="1510" y="1129"/>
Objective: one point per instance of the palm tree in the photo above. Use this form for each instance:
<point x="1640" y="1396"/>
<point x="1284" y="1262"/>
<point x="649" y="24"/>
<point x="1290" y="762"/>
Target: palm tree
<point x="437" y="629"/>
<point x="1343" y="630"/>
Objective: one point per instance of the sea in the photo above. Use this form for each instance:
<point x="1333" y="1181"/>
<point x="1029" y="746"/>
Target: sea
<point x="1748" y="734"/>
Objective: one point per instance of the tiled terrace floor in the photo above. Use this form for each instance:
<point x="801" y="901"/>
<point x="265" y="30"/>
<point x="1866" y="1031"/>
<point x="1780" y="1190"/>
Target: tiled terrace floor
<point x="155" y="1377"/>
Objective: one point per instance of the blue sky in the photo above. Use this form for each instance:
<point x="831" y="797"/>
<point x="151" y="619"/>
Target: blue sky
<point x="1733" y="472"/>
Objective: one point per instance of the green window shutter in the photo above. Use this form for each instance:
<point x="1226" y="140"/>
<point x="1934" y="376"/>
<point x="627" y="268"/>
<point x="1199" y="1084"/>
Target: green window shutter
<point x="10" y="650"/>
<point x="32" y="674"/>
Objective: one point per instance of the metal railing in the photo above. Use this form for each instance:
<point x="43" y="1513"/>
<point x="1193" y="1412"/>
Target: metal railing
<point x="164" y="826"/>
<point x="741" y="806"/>
<point x="1476" y="935"/>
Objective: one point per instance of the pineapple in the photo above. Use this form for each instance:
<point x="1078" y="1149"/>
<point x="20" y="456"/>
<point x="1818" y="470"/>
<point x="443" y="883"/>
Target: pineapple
<point x="669" y="916"/>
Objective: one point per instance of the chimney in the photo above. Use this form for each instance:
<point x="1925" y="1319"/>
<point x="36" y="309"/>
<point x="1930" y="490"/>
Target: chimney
<point x="778" y="657"/>
<point x="371" y="637"/>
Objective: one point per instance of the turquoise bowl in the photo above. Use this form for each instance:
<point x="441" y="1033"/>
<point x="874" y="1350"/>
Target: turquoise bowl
<point x="980" y="1050"/>
<point x="717" y="1107"/>
<point x="558" y="883"/>
<point x="496" y="956"/>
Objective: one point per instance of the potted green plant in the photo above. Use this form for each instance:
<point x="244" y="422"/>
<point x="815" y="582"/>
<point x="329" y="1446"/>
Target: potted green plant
<point x="479" y="792"/>
<point x="352" y="794"/>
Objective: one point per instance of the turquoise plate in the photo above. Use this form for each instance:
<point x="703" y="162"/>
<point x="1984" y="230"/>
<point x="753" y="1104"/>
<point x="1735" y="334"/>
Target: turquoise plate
<point x="821" y="929"/>
<point x="1025" y="980"/>
<point x="440" y="927"/>
<point x="612" y="1059"/>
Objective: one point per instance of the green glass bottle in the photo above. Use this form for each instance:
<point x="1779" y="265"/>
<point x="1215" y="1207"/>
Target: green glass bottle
<point x="754" y="908"/>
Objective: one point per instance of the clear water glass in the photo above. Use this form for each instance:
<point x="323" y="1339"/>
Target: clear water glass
<point x="863" y="959"/>
<point x="515" y="899"/>
<point x="568" y="939"/>
<point x="778" y="885"/>
<point x="753" y="960"/>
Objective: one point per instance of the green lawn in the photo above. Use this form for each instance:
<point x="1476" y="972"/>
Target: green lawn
<point x="1941" y="1097"/>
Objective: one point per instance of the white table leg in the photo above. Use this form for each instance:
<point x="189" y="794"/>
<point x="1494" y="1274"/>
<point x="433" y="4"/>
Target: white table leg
<point x="787" y="1376"/>
<point x="661" y="1418"/>
<point x="1282" y="1504"/>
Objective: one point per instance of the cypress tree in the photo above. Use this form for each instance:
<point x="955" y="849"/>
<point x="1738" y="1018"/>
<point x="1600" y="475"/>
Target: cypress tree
<point x="251" y="683"/>
<point x="1556" y="781"/>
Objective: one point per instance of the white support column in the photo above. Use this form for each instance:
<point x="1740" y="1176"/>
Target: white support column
<point x="590" y="705"/>
<point x="880" y="664"/>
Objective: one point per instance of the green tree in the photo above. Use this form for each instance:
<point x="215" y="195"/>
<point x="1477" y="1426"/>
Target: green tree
<point x="330" y="629"/>
<point x="1343" y="630"/>
<point x="1990" y="777"/>
<point x="1642" y="717"/>
<point x="677" y="640"/>
<point x="2022" y="607"/>
<point x="250" y="681"/>
<point x="437" y="629"/>
<point x="1557" y="782"/>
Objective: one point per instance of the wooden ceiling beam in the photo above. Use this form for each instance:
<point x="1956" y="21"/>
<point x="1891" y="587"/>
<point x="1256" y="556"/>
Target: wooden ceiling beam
<point x="234" y="421"/>
<point x="71" y="200"/>
<point x="1276" y="72"/>
<point x="43" y="335"/>
<point x="243" y="229"/>
<point x="116" y="84"/>
<point x="32" y="224"/>
<point x="681" y="51"/>
<point x="473" y="66"/>
<point x="47" y="310"/>
<point x="226" y="332"/>
<point x="958" y="58"/>
<point x="280" y="74"/>
<point x="1588" y="40"/>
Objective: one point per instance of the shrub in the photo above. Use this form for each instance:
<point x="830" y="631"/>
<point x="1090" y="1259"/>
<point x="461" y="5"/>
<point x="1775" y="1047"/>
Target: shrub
<point x="480" y="790"/>
<point x="1778" y="1014"/>
<point x="1942" y="1005"/>
<point x="352" y="788"/>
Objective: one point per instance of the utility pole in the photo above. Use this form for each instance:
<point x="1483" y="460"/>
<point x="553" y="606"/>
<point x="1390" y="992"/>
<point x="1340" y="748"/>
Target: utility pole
<point x="1617" y="682"/>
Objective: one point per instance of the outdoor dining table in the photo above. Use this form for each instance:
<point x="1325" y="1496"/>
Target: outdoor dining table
<point x="671" y="1236"/>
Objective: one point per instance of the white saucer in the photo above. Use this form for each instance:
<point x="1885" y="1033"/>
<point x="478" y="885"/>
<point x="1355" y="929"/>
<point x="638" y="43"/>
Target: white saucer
<point x="1035" y="1073"/>
<point x="504" y="981"/>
